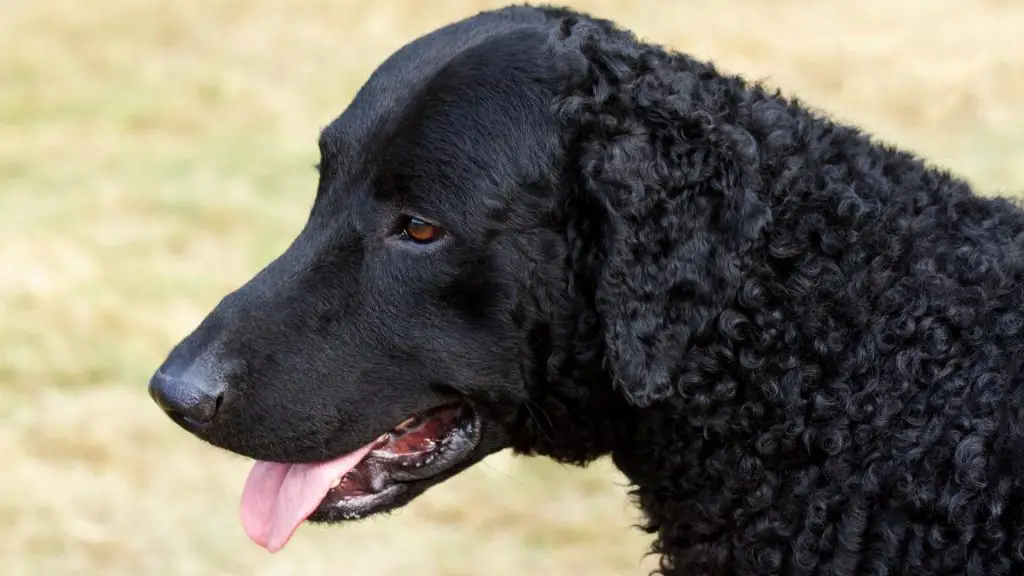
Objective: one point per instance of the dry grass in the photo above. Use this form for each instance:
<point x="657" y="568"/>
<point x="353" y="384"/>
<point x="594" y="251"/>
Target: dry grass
<point x="154" y="154"/>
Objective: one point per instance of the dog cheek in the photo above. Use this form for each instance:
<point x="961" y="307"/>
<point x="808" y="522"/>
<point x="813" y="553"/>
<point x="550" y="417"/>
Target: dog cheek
<point x="473" y="292"/>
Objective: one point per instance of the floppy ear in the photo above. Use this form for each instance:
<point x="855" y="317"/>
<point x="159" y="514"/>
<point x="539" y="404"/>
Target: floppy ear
<point x="659" y="152"/>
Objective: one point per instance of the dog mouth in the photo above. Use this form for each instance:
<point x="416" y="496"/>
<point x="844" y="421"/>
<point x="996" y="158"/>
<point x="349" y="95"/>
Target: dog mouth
<point x="419" y="448"/>
<point x="381" y="475"/>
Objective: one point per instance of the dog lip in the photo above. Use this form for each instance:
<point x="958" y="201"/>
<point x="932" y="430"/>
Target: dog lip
<point x="390" y="475"/>
<point x="453" y="448"/>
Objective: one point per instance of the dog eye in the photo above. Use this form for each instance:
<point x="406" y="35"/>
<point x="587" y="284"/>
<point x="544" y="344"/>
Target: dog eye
<point x="420" y="231"/>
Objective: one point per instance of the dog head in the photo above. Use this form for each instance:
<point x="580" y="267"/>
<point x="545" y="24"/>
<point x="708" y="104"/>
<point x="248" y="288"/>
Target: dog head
<point x="390" y="345"/>
<point x="500" y="222"/>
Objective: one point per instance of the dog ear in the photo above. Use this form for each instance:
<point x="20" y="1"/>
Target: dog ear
<point x="657" y="151"/>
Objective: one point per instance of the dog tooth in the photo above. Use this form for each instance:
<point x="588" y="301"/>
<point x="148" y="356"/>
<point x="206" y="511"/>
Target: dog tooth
<point x="336" y="483"/>
<point x="408" y="422"/>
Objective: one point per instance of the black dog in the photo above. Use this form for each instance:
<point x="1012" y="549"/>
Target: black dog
<point x="531" y="230"/>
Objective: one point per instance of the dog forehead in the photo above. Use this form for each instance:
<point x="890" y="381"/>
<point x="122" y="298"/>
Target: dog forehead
<point x="402" y="76"/>
<point x="450" y="123"/>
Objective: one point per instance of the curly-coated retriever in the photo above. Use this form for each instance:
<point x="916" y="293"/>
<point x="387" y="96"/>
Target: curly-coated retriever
<point x="803" y="347"/>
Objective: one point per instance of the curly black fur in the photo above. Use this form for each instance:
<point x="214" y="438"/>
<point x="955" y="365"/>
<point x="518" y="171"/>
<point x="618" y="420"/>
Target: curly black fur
<point x="820" y="335"/>
<point x="803" y="347"/>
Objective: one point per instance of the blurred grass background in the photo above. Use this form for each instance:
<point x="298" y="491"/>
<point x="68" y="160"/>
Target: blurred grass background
<point x="153" y="155"/>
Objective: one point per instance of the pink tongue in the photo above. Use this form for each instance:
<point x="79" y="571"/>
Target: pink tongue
<point x="279" y="497"/>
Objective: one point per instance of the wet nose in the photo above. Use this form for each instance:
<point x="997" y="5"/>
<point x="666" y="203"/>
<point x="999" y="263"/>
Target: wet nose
<point x="194" y="400"/>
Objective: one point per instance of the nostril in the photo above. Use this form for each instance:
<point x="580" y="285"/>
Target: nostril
<point x="196" y="403"/>
<point x="209" y="411"/>
<point x="200" y="414"/>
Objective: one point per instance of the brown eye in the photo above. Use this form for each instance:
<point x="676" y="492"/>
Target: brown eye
<point x="421" y="232"/>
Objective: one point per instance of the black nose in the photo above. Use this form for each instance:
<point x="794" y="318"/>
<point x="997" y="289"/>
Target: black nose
<point x="192" y="401"/>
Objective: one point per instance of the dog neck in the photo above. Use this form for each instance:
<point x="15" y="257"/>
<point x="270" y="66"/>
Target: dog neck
<point x="574" y="413"/>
